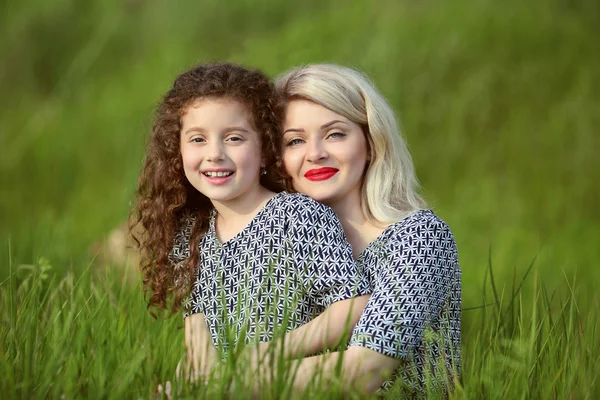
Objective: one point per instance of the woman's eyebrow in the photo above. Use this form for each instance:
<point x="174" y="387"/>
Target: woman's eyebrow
<point x="328" y="124"/>
<point x="324" y="126"/>
<point x="293" y="130"/>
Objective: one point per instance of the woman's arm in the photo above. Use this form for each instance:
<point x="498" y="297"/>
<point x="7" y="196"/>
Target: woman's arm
<point x="361" y="369"/>
<point x="332" y="327"/>
<point x="331" y="277"/>
<point x="201" y="352"/>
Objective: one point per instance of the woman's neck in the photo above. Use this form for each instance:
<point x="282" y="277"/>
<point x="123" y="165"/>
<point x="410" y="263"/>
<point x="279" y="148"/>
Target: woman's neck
<point x="233" y="216"/>
<point x="358" y="229"/>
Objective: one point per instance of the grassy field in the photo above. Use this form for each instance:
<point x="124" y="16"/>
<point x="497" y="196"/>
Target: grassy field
<point x="500" y="105"/>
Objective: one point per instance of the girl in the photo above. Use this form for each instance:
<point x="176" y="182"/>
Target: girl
<point x="342" y="147"/>
<point x="214" y="223"/>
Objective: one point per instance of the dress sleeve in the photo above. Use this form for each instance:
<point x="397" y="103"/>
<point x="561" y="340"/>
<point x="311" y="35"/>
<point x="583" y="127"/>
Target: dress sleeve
<point x="177" y="257"/>
<point x="320" y="248"/>
<point x="417" y="271"/>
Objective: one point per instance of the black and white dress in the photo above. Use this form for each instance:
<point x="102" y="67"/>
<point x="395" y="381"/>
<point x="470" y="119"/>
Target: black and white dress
<point x="414" y="311"/>
<point x="283" y="269"/>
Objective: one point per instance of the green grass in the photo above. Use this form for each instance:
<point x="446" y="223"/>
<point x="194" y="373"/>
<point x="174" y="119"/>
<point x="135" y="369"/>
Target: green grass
<point x="89" y="336"/>
<point x="499" y="102"/>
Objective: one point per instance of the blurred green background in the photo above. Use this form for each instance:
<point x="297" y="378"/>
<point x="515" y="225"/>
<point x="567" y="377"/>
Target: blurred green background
<point x="499" y="103"/>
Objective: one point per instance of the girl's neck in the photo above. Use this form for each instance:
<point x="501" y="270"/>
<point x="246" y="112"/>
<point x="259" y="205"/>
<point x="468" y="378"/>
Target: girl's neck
<point x="358" y="229"/>
<point x="233" y="216"/>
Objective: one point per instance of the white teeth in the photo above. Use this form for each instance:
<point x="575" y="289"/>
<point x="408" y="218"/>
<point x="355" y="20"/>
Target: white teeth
<point x="213" y="174"/>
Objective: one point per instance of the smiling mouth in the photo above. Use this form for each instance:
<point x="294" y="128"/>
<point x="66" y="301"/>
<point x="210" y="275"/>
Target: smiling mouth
<point x="217" y="174"/>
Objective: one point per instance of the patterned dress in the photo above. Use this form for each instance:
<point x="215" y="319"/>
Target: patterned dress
<point x="283" y="269"/>
<point x="415" y="308"/>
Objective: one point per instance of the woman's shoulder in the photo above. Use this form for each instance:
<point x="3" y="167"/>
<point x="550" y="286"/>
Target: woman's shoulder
<point x="422" y="226"/>
<point x="422" y="239"/>
<point x="420" y="220"/>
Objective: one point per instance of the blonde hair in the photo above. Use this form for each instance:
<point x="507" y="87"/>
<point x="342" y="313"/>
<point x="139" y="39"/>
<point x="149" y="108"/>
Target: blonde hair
<point x="389" y="189"/>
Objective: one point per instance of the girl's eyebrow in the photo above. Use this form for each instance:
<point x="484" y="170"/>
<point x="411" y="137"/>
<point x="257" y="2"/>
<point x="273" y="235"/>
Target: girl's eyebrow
<point x="194" y="129"/>
<point x="226" y="130"/>
<point x="235" y="129"/>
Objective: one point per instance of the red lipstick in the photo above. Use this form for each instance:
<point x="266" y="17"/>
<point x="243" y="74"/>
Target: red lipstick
<point x="320" y="174"/>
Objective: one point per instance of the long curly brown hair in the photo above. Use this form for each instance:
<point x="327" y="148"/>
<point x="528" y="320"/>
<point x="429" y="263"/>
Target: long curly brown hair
<point x="164" y="195"/>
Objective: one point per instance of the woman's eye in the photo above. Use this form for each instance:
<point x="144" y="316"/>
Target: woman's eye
<point x="336" y="135"/>
<point x="294" y="142"/>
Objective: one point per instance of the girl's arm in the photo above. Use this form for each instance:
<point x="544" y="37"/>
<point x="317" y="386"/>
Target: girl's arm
<point x="201" y="352"/>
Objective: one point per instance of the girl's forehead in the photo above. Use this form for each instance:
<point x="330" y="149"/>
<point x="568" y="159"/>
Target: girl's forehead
<point x="216" y="112"/>
<point x="223" y="105"/>
<point x="225" y="101"/>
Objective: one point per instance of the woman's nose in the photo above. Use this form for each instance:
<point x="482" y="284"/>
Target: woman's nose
<point x="316" y="151"/>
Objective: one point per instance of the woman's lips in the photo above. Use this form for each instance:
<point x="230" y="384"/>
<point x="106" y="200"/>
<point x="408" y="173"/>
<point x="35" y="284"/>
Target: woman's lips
<point x="320" y="174"/>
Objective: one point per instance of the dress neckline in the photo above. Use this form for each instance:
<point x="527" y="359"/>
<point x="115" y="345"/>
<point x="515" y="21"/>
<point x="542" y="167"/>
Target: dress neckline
<point x="213" y="216"/>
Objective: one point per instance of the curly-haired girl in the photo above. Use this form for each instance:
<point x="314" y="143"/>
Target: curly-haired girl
<point x="217" y="226"/>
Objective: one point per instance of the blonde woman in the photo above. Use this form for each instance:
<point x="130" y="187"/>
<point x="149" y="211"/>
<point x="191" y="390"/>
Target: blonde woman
<point x="342" y="147"/>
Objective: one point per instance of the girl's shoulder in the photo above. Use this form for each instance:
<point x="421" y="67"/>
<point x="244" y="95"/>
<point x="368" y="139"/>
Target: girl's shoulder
<point x="181" y="246"/>
<point x="300" y="215"/>
<point x="186" y="223"/>
<point x="300" y="205"/>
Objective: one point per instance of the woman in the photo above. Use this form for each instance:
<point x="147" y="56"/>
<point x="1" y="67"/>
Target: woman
<point x="342" y="147"/>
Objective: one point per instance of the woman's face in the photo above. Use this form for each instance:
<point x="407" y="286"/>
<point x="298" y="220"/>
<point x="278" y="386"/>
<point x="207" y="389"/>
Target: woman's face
<point x="324" y="153"/>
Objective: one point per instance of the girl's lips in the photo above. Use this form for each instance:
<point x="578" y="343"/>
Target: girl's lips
<point x="320" y="174"/>
<point x="218" y="180"/>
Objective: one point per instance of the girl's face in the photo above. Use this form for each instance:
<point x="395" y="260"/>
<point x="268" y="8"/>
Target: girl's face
<point x="220" y="149"/>
<point x="324" y="153"/>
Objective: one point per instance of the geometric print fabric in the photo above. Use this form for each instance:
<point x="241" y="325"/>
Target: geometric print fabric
<point x="414" y="312"/>
<point x="283" y="269"/>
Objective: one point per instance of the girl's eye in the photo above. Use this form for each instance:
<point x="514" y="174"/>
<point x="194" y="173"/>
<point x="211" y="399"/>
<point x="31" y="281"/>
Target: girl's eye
<point x="294" y="142"/>
<point x="336" y="135"/>
<point x="235" y="139"/>
<point x="197" y="140"/>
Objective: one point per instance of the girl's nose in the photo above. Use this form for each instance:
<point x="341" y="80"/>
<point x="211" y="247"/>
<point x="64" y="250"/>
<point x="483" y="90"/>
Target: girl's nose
<point x="215" y="151"/>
